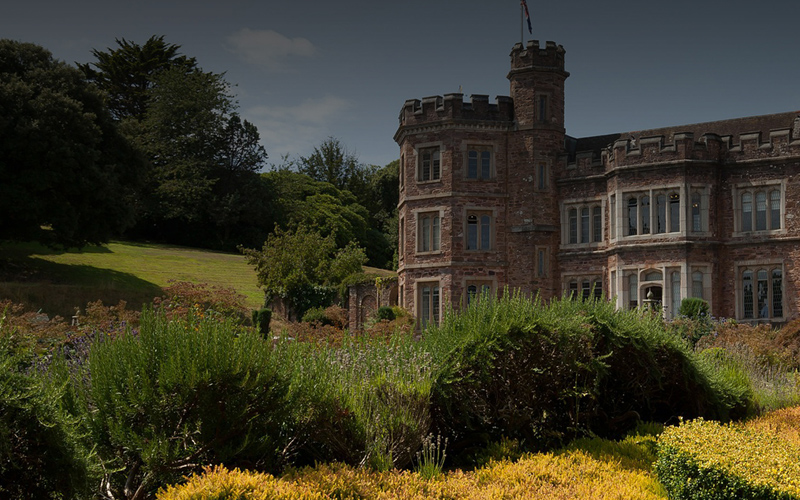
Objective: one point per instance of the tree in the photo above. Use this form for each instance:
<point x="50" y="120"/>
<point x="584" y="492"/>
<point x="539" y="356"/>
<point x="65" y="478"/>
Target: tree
<point x="303" y="267"/>
<point x="127" y="74"/>
<point x="331" y="162"/>
<point x="67" y="176"/>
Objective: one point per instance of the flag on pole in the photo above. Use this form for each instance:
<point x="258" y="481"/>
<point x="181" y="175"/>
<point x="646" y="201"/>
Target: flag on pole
<point x="527" y="15"/>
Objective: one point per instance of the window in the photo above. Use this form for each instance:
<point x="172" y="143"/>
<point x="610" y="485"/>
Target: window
<point x="584" y="224"/>
<point x="429" y="235"/>
<point x="401" y="239"/>
<point x="541" y="262"/>
<point x="429" y="303"/>
<point x="541" y="177"/>
<point x="760" y="209"/>
<point x="584" y="288"/>
<point x="697" y="223"/>
<point x="643" y="219"/>
<point x="402" y="172"/>
<point x="479" y="162"/>
<point x="479" y="231"/>
<point x="697" y="284"/>
<point x="429" y="165"/>
<point x="761" y="292"/>
<point x="477" y="289"/>
<point x="675" y="290"/>
<point x="542" y="111"/>
<point x="613" y="217"/>
<point x="633" y="291"/>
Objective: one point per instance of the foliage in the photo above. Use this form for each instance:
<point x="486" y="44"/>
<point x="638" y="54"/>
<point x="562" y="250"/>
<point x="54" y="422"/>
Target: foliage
<point x="261" y="319"/>
<point x="702" y="460"/>
<point x="545" y="374"/>
<point x="42" y="454"/>
<point x="67" y="176"/>
<point x="693" y="308"/>
<point x="358" y="401"/>
<point x="127" y="73"/>
<point x="385" y="313"/>
<point x="430" y="459"/>
<point x="545" y="477"/>
<point x="182" y="298"/>
<point x="179" y="395"/>
<point x="303" y="267"/>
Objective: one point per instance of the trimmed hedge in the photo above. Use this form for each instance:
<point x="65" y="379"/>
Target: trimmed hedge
<point x="702" y="460"/>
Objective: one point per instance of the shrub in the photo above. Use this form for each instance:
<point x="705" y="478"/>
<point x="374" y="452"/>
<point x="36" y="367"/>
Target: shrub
<point x="181" y="297"/>
<point x="545" y="374"/>
<point x="317" y="315"/>
<point x="693" y="308"/>
<point x="701" y="460"/>
<point x="261" y="319"/>
<point x="182" y="394"/>
<point x="385" y="313"/>
<point x="41" y="450"/>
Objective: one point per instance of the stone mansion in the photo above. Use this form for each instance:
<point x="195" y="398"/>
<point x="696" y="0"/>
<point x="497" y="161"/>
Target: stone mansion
<point x="496" y="194"/>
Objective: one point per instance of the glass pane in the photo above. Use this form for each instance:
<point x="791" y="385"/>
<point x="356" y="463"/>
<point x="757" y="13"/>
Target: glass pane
<point x="472" y="291"/>
<point x="472" y="165"/>
<point x="775" y="210"/>
<point x="632" y="205"/>
<point x="486" y="228"/>
<point x="435" y="168"/>
<point x="747" y="294"/>
<point x="597" y="289"/>
<point x="645" y="215"/>
<point x="697" y="284"/>
<point x="763" y="290"/>
<point x="696" y="224"/>
<point x="472" y="232"/>
<point x="573" y="225"/>
<point x="585" y="225"/>
<point x="777" y="293"/>
<point x="747" y="212"/>
<point x="486" y="165"/>
<point x="586" y="289"/>
<point x="674" y="213"/>
<point x="426" y="305"/>
<point x="661" y="209"/>
<point x="676" y="292"/>
<point x="425" y="175"/>
<point x="597" y="230"/>
<point x="633" y="291"/>
<point x="426" y="234"/>
<point x="573" y="289"/>
<point x="542" y="177"/>
<point x="540" y="263"/>
<point x="436" y="236"/>
<point x="761" y="211"/>
<point x="435" y="304"/>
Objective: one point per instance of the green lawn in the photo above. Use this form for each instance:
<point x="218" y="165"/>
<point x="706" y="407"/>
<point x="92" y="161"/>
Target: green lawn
<point x="58" y="281"/>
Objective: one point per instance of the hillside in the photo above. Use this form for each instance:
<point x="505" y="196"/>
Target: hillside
<point x="58" y="281"/>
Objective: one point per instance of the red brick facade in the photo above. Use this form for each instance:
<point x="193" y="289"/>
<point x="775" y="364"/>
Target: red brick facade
<point x="496" y="195"/>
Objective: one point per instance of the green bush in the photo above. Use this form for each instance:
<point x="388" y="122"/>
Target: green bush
<point x="701" y="460"/>
<point x="546" y="374"/>
<point x="317" y="315"/>
<point x="183" y="394"/>
<point x="41" y="450"/>
<point x="693" y="308"/>
<point x="385" y="313"/>
<point x="261" y="319"/>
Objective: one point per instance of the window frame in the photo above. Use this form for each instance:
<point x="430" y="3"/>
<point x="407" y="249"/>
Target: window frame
<point x="421" y="152"/>
<point x="772" y="215"/>
<point x="753" y="271"/>
<point x="435" y="246"/>
<point x="580" y="228"/>
<point x="429" y="309"/>
<point x="479" y="150"/>
<point x="483" y="229"/>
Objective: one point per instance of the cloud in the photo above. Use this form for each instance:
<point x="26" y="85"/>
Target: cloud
<point x="268" y="48"/>
<point x="297" y="129"/>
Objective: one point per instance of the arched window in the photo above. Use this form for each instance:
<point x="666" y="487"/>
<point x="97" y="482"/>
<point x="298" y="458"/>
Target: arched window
<point x="645" y="212"/>
<point x="479" y="228"/>
<point x="697" y="284"/>
<point x="632" y="210"/>
<point x="573" y="225"/>
<point x="775" y="209"/>
<point x="697" y="223"/>
<point x="585" y="227"/>
<point x="674" y="212"/>
<point x="747" y="212"/>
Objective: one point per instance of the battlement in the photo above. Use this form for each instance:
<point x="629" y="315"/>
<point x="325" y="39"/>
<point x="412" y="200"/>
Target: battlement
<point x="709" y="147"/>
<point x="453" y="107"/>
<point x="534" y="57"/>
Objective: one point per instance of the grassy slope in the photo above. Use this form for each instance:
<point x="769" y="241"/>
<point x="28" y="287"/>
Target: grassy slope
<point x="59" y="281"/>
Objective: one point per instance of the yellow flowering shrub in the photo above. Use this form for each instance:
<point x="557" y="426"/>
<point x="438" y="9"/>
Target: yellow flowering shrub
<point x="783" y="423"/>
<point x="707" y="460"/>
<point x="571" y="475"/>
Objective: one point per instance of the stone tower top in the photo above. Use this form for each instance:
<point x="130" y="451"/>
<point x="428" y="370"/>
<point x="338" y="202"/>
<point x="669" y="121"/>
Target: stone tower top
<point x="533" y="57"/>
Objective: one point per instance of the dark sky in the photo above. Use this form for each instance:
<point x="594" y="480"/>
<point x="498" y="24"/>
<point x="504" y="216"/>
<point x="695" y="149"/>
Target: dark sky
<point x="305" y="71"/>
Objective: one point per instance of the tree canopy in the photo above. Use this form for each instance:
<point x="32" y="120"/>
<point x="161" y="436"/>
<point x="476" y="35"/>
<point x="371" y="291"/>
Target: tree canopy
<point x="67" y="176"/>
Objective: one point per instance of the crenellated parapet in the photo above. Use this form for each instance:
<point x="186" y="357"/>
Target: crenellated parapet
<point x="710" y="147"/>
<point x="532" y="56"/>
<point x="452" y="107"/>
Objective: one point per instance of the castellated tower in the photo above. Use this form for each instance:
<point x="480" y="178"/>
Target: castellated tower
<point x="478" y="209"/>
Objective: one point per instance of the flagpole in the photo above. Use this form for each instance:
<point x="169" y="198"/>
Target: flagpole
<point x="521" y="21"/>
